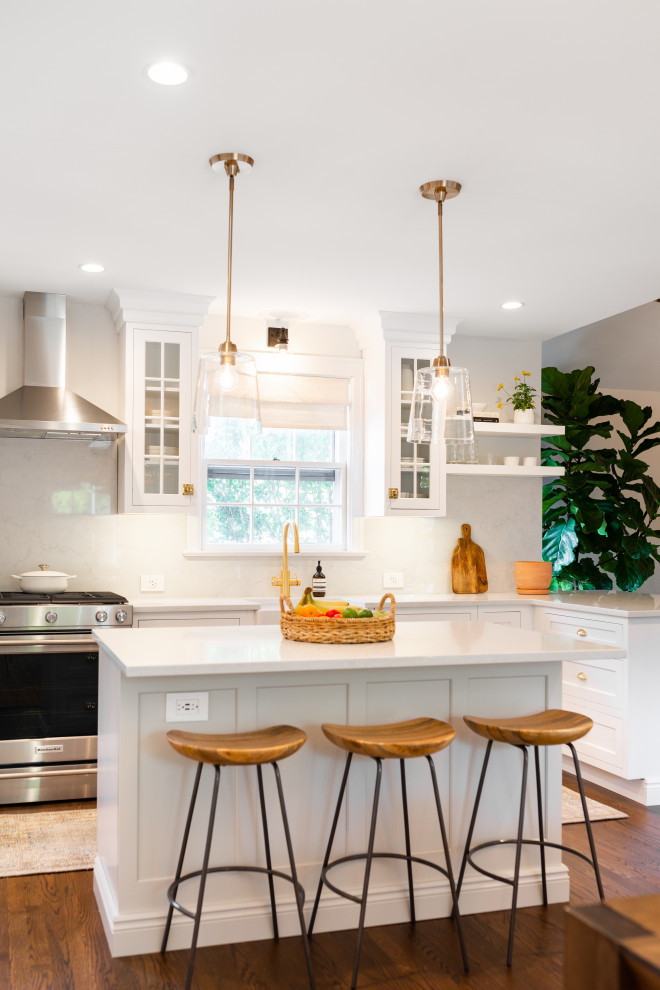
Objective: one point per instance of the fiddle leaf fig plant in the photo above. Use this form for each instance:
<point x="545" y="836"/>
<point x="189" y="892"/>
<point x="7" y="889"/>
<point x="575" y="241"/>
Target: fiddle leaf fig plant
<point x="598" y="517"/>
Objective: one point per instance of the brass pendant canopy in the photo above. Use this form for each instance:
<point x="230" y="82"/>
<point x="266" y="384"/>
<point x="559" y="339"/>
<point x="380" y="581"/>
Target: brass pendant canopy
<point x="231" y="162"/>
<point x="440" y="189"/>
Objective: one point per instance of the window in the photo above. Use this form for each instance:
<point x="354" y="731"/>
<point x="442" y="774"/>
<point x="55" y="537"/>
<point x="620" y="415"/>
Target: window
<point x="302" y="466"/>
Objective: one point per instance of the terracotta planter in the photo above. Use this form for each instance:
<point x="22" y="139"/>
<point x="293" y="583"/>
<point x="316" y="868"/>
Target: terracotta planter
<point x="532" y="577"/>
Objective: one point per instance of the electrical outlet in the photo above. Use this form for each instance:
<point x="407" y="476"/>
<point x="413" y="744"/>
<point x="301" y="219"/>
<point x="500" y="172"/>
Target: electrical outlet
<point x="393" y="579"/>
<point x="188" y="707"/>
<point x="152" y="582"/>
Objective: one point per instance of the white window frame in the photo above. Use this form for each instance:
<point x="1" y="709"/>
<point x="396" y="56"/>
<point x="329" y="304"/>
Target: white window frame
<point x="301" y="364"/>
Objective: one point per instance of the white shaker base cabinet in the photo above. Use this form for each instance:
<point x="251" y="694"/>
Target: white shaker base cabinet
<point x="194" y="612"/>
<point x="254" y="678"/>
<point x="622" y="751"/>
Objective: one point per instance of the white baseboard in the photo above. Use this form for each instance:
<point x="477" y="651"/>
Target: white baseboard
<point x="142" y="933"/>
<point x="643" y="791"/>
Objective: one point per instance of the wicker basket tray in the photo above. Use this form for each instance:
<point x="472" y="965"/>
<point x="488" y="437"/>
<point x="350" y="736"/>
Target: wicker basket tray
<point x="310" y="630"/>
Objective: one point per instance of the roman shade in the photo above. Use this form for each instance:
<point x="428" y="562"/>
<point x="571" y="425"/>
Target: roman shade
<point x="311" y="402"/>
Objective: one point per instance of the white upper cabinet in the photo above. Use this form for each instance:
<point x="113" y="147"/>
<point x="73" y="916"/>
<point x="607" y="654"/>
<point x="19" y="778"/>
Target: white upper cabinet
<point x="401" y="478"/>
<point x="157" y="458"/>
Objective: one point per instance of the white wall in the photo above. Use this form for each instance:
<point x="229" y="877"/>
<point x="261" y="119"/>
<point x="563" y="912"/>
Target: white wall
<point x="58" y="498"/>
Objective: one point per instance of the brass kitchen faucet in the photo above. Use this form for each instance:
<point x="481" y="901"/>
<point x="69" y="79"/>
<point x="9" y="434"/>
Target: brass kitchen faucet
<point x="284" y="581"/>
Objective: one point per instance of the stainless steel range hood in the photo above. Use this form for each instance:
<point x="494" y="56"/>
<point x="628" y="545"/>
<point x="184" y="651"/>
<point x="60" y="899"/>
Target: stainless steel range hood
<point x="43" y="408"/>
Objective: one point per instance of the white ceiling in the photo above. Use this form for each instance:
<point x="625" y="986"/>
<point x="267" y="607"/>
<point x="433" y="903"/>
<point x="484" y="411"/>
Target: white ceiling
<point x="545" y="111"/>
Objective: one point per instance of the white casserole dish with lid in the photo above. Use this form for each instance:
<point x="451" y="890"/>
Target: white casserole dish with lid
<point x="43" y="581"/>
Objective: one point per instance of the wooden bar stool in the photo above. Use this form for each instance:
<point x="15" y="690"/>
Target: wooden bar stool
<point x="549" y="728"/>
<point x="400" y="741"/>
<point x="236" y="750"/>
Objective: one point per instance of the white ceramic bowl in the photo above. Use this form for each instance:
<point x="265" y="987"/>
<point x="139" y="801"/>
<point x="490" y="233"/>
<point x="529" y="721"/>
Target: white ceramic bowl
<point x="43" y="581"/>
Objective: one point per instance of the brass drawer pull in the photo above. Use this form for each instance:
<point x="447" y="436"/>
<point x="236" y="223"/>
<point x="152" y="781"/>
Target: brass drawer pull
<point x="582" y="632"/>
<point x="582" y="676"/>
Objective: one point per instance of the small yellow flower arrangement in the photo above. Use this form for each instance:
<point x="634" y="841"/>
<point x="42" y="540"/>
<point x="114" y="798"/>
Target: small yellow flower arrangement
<point x="523" y="394"/>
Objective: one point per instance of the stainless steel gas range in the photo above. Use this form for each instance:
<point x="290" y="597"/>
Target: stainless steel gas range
<point x="48" y="692"/>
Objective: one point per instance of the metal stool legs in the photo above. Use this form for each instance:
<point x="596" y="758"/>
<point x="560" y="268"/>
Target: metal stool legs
<point x="269" y="865"/>
<point x="297" y="887"/>
<point x="370" y="855"/>
<point x="326" y="858"/>
<point x="587" y="822"/>
<point x="205" y="870"/>
<point x="450" y="873"/>
<point x="203" y="873"/>
<point x="519" y="841"/>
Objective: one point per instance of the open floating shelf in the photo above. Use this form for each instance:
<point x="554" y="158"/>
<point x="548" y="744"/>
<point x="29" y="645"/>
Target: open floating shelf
<point x="503" y="470"/>
<point x="518" y="430"/>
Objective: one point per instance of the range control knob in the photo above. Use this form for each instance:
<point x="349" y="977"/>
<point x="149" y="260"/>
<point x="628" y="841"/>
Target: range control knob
<point x="101" y="615"/>
<point x="121" y="615"/>
<point x="3" y="618"/>
<point x="51" y="616"/>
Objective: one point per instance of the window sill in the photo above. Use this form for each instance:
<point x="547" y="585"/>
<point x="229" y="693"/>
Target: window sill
<point x="276" y="553"/>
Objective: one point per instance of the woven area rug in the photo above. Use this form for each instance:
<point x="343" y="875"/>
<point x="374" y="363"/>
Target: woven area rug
<point x="571" y="809"/>
<point x="47" y="842"/>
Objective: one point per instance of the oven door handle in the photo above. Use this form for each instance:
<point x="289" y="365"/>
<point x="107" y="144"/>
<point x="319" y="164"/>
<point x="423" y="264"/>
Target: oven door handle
<point x="56" y="643"/>
<point x="46" y="773"/>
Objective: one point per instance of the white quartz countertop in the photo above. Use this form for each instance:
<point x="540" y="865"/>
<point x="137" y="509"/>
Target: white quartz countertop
<point x="252" y="649"/>
<point x="625" y="604"/>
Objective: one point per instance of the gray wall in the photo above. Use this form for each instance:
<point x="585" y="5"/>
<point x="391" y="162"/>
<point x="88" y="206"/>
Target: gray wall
<point x="625" y="351"/>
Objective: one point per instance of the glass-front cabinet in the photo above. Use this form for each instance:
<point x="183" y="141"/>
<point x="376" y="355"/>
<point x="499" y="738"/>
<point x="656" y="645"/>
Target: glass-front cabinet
<point x="400" y="478"/>
<point x="161" y="419"/>
<point x="414" y="466"/>
<point x="158" y="334"/>
<point x="157" y="470"/>
<point x="416" y="482"/>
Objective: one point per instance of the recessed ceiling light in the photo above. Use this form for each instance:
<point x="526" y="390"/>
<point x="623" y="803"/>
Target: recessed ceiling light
<point x="91" y="266"/>
<point x="512" y="304"/>
<point x="167" y="73"/>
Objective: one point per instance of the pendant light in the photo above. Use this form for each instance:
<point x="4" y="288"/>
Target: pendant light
<point x="441" y="406"/>
<point x="227" y="380"/>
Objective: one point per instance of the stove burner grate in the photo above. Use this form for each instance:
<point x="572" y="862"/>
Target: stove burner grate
<point x="62" y="598"/>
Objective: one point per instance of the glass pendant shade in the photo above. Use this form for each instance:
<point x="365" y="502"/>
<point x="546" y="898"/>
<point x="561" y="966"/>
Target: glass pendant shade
<point x="441" y="410"/>
<point x="228" y="389"/>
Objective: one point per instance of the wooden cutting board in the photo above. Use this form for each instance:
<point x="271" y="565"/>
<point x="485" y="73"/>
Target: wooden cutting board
<point x="468" y="566"/>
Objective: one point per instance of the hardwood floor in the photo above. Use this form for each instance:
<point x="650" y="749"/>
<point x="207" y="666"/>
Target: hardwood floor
<point x="51" y="936"/>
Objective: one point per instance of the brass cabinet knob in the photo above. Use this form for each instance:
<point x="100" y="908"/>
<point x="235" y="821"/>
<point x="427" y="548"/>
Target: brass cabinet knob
<point x="582" y="676"/>
<point x="582" y="632"/>
<point x="392" y="492"/>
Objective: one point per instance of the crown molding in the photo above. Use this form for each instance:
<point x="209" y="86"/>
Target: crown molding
<point x="169" y="308"/>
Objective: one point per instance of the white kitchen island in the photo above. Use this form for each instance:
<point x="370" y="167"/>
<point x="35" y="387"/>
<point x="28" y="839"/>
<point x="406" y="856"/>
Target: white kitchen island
<point x="255" y="678"/>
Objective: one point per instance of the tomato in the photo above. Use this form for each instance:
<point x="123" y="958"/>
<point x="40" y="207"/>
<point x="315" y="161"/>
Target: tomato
<point x="333" y="613"/>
